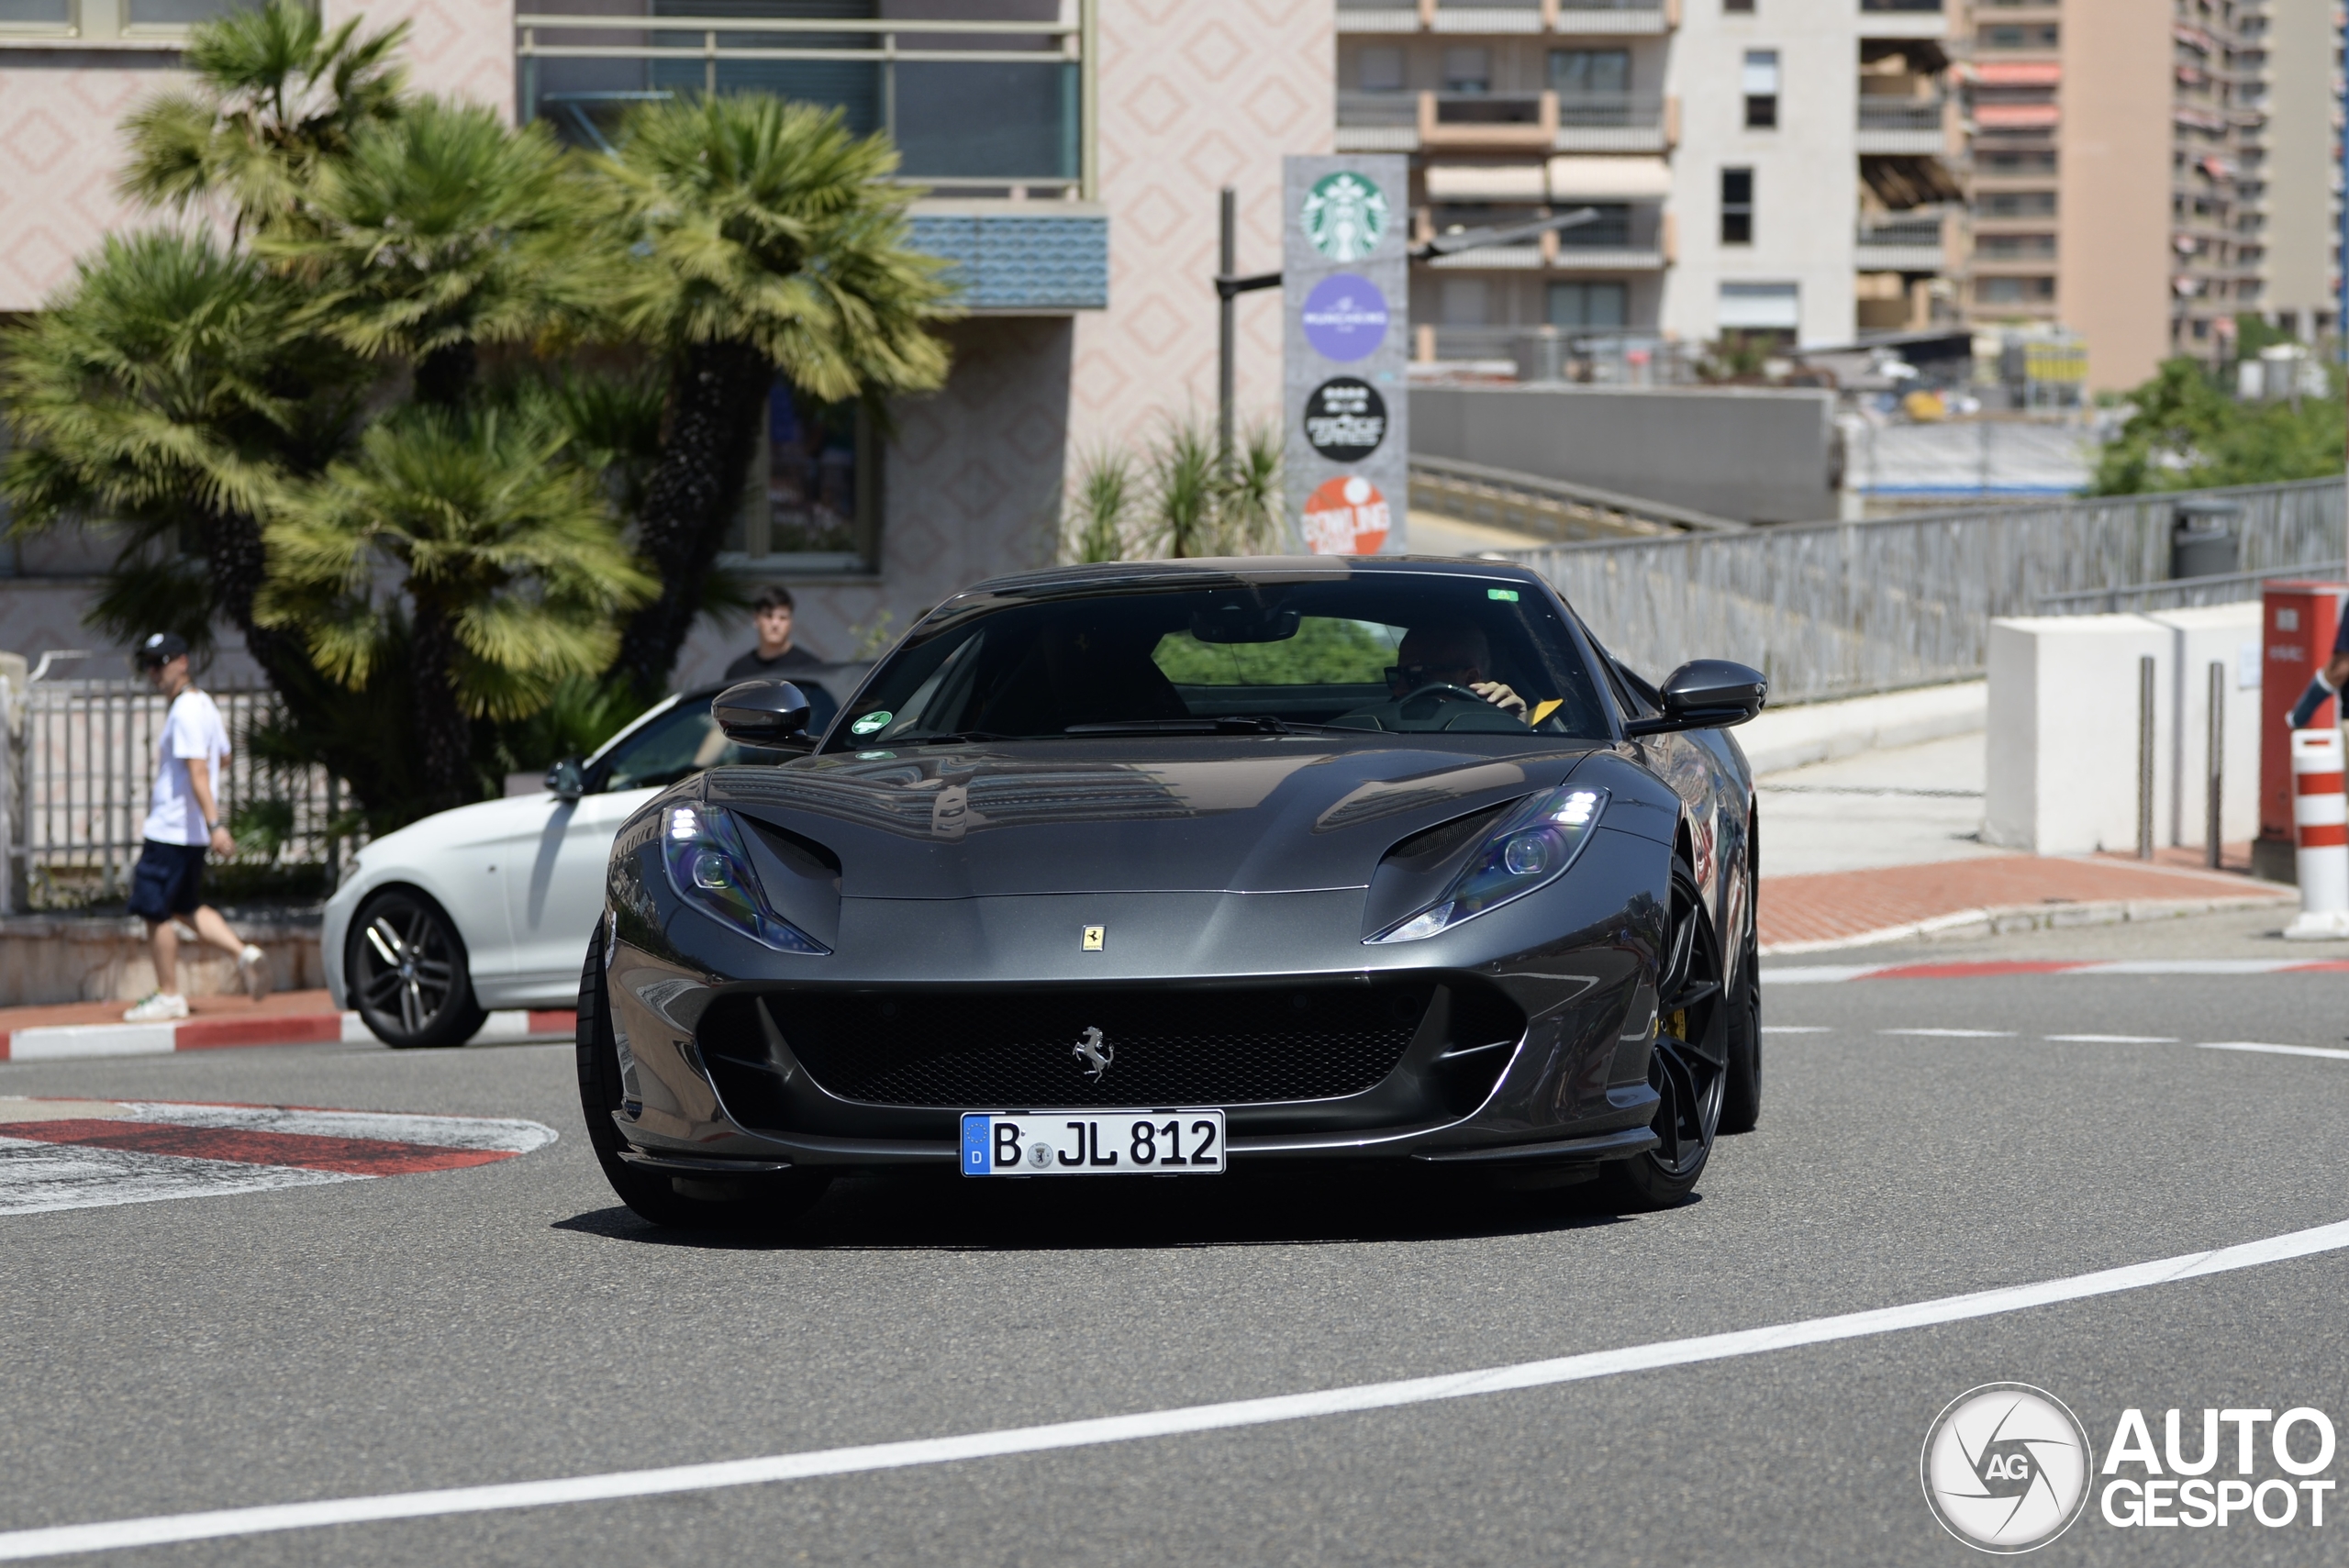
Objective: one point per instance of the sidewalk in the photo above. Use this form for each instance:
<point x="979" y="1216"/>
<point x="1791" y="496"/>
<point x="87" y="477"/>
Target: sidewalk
<point x="1991" y="894"/>
<point x="287" y="1017"/>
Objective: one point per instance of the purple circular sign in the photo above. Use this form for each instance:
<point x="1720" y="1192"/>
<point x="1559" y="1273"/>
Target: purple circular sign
<point x="1345" y="317"/>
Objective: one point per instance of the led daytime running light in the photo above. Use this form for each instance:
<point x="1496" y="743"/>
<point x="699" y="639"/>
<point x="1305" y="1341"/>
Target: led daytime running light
<point x="1530" y="849"/>
<point x="710" y="869"/>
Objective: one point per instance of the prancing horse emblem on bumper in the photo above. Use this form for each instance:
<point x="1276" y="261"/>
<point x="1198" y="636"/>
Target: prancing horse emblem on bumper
<point x="1094" y="938"/>
<point x="1094" y="1054"/>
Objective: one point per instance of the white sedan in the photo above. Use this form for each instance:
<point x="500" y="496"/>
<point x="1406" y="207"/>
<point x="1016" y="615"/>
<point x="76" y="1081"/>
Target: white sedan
<point x="490" y="904"/>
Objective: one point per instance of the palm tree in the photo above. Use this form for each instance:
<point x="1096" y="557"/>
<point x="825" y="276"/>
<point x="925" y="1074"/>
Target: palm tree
<point x="509" y="568"/>
<point x="771" y="241"/>
<point x="168" y="389"/>
<point x="276" y="97"/>
<point x="441" y="230"/>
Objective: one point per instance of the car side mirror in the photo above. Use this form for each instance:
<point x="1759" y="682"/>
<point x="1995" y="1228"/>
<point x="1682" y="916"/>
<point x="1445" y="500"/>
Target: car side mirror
<point x="566" y="780"/>
<point x="1706" y="694"/>
<point x="762" y="713"/>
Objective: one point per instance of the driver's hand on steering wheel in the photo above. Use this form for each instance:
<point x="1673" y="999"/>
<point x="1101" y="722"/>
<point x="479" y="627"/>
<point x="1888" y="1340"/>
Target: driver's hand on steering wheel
<point x="1501" y="697"/>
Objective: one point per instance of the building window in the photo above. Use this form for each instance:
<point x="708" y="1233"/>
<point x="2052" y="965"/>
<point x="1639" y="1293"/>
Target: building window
<point x="1380" y="69"/>
<point x="2017" y="203"/>
<point x="1583" y="73"/>
<point x="1467" y="68"/>
<point x="1760" y="307"/>
<point x="2026" y="163"/>
<point x="128" y="18"/>
<point x="1589" y="305"/>
<point x="1760" y="83"/>
<point x="2009" y="34"/>
<point x="810" y="503"/>
<point x="1461" y="301"/>
<point x="2014" y="291"/>
<point x="1737" y="206"/>
<point x="1736" y="6"/>
<point x="2013" y="247"/>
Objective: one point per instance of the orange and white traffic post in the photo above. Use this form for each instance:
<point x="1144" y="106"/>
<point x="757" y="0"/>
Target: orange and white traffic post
<point x="2321" y="824"/>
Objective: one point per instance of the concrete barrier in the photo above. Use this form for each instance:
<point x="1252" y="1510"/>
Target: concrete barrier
<point x="80" y="958"/>
<point x="1782" y="738"/>
<point x="2062" y="776"/>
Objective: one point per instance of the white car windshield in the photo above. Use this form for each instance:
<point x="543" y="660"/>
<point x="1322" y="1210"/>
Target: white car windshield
<point x="684" y="740"/>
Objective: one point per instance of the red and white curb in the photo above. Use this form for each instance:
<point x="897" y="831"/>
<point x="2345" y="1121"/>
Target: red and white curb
<point x="1987" y="969"/>
<point x="59" y="1042"/>
<point x="95" y="1153"/>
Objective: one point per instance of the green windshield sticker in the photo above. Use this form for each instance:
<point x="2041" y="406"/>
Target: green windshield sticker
<point x="1506" y="595"/>
<point x="870" y="722"/>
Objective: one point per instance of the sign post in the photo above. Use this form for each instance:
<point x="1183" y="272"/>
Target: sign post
<point x="1345" y="307"/>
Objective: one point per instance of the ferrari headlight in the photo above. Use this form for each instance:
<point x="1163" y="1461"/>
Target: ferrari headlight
<point x="1530" y="849"/>
<point x="710" y="870"/>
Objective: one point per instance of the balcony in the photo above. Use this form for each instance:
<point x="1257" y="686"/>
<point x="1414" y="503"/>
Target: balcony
<point x="1890" y="125"/>
<point x="1902" y="19"/>
<point x="1898" y="244"/>
<point x="1493" y="122"/>
<point x="1627" y="237"/>
<point x="1502" y="18"/>
<point x="975" y="107"/>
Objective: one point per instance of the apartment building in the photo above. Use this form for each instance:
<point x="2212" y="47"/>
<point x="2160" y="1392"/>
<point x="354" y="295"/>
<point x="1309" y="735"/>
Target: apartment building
<point x="1071" y="151"/>
<point x="1764" y="166"/>
<point x="2144" y="176"/>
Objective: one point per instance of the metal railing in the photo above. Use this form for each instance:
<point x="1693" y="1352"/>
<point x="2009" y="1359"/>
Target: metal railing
<point x="82" y="757"/>
<point x="1610" y="111"/>
<point x="1548" y="508"/>
<point x="970" y="104"/>
<point x="1900" y="231"/>
<point x="1840" y="609"/>
<point x="1380" y="110"/>
<point x="1899" y="114"/>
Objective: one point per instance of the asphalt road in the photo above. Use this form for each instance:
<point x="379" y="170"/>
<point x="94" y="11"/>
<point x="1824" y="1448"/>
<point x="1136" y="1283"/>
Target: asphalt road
<point x="512" y="1323"/>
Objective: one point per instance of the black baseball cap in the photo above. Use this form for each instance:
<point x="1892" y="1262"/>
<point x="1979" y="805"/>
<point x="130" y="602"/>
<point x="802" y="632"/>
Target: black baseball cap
<point x="158" y="650"/>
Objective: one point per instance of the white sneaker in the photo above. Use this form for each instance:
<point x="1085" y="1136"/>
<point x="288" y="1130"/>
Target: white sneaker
<point x="156" y="1008"/>
<point x="252" y="967"/>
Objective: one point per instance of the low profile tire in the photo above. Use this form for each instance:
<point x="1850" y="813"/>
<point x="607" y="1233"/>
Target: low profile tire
<point x="1688" y="1065"/>
<point x="740" y="1204"/>
<point x="409" y="977"/>
<point x="1741" y="1094"/>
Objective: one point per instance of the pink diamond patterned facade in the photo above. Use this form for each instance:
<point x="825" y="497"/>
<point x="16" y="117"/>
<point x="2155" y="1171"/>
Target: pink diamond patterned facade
<point x="1193" y="94"/>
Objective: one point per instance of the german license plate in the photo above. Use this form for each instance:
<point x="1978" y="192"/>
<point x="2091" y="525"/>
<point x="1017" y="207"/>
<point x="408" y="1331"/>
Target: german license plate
<point x="1093" y="1143"/>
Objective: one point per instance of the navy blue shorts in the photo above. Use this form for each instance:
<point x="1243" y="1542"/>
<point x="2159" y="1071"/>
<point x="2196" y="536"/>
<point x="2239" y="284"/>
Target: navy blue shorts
<point x="167" y="881"/>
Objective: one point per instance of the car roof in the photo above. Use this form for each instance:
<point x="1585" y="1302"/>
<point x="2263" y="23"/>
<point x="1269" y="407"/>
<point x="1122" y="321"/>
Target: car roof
<point x="1212" y="570"/>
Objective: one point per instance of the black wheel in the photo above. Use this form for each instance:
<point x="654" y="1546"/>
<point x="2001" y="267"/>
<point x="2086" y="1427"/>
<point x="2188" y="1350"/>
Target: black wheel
<point x="1741" y="1094"/>
<point x="1688" y="1066"/>
<point x="409" y="978"/>
<point x="740" y="1204"/>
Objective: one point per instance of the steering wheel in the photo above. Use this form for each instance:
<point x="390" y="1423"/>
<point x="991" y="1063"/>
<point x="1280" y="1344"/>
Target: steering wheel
<point x="1442" y="689"/>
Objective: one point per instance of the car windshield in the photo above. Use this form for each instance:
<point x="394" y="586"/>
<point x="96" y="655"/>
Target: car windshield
<point x="1386" y="652"/>
<point x="685" y="739"/>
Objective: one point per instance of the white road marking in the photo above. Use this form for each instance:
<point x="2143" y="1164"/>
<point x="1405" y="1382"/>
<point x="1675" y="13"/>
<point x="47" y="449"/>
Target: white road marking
<point x="2275" y="1050"/>
<point x="17" y="1546"/>
<point x="1815" y="973"/>
<point x="39" y="1178"/>
<point x="1955" y="1034"/>
<point x="2114" y="1039"/>
<point x="386" y="1127"/>
<point x="1795" y="1028"/>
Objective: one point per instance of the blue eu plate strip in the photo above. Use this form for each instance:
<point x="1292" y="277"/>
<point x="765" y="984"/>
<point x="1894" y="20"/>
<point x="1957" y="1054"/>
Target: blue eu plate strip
<point x="975" y="1145"/>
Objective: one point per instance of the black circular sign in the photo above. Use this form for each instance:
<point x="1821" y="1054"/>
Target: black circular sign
<point x="1346" y="420"/>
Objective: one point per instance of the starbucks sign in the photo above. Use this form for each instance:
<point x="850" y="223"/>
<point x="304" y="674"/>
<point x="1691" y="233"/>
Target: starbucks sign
<point x="1343" y="215"/>
<point x="1345" y="351"/>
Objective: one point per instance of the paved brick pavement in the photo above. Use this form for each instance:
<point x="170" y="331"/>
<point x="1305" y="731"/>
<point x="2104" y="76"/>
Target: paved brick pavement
<point x="1832" y="908"/>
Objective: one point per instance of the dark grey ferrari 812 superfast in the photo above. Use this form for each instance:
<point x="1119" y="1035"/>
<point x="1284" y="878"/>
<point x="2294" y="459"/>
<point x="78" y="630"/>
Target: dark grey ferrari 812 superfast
<point x="1171" y="868"/>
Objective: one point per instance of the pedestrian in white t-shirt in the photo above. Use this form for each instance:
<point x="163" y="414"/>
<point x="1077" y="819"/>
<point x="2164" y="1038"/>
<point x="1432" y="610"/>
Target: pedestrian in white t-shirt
<point x="183" y="820"/>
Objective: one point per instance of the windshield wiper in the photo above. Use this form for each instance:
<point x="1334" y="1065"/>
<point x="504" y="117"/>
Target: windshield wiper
<point x="950" y="737"/>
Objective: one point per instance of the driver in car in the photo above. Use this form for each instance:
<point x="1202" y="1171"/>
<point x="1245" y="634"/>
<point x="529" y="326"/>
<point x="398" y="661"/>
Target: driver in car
<point x="1449" y="654"/>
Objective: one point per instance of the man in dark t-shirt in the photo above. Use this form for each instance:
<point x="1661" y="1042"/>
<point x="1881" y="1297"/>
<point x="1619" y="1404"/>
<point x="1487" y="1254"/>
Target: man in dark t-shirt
<point x="775" y="655"/>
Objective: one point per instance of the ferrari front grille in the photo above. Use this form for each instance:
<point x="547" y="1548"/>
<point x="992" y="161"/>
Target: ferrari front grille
<point x="1016" y="1050"/>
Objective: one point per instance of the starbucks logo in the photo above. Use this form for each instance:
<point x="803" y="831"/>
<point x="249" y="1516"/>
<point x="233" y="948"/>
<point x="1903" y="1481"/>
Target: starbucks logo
<point x="1343" y="215"/>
